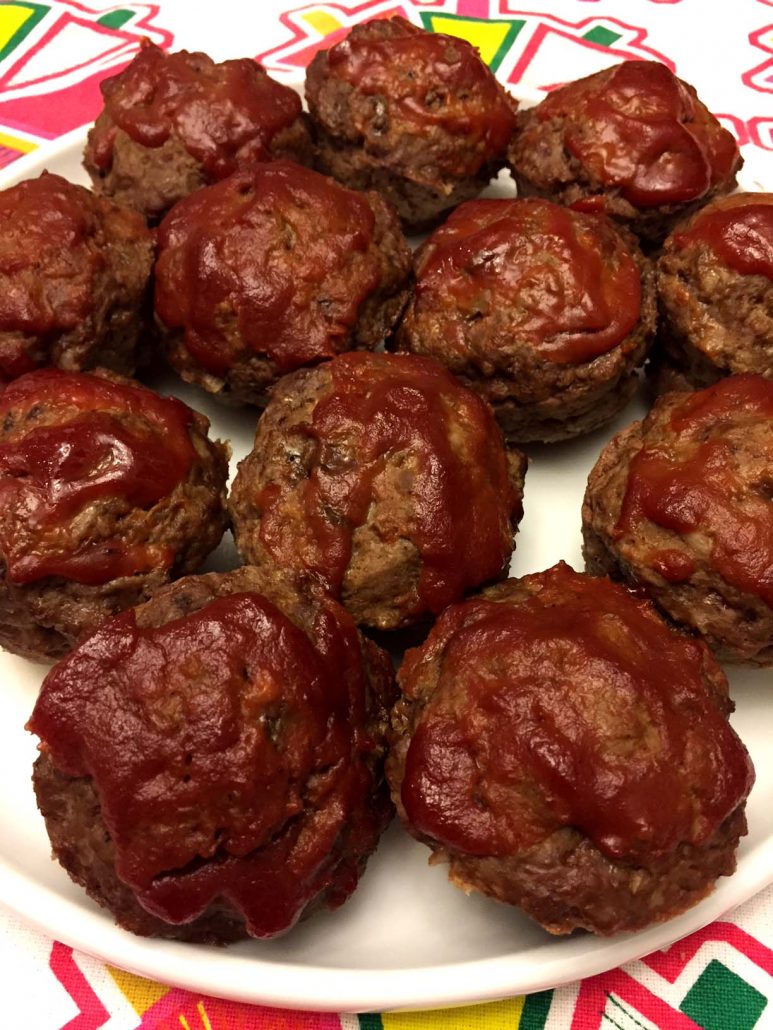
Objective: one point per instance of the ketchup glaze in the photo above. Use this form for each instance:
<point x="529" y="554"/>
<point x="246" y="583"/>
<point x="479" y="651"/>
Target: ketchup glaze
<point x="547" y="709"/>
<point x="73" y="439"/>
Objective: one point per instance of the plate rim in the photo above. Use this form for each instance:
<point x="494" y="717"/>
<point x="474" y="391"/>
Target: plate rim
<point x="384" y="990"/>
<point x="252" y="980"/>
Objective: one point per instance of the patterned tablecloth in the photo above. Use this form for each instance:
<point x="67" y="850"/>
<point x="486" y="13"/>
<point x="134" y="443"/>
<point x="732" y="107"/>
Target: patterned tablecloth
<point x="52" y="55"/>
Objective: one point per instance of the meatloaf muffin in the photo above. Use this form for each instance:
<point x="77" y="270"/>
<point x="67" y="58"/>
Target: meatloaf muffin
<point x="212" y="761"/>
<point x="415" y="115"/>
<point x="107" y="491"/>
<point x="274" y="269"/>
<point x="175" y="122"/>
<point x="382" y="478"/>
<point x="633" y="140"/>
<point x="681" y="505"/>
<point x="715" y="287"/>
<point x="544" y="311"/>
<point x="537" y="739"/>
<point x="74" y="274"/>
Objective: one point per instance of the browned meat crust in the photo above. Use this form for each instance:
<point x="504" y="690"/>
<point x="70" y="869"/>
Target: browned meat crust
<point x="532" y="718"/>
<point x="497" y="296"/>
<point x="44" y="617"/>
<point x="175" y="122"/>
<point x="272" y="270"/>
<point x="735" y="621"/>
<point x="74" y="280"/>
<point x="632" y="140"/>
<point x="716" y="320"/>
<point x="415" y="115"/>
<point x="279" y="517"/>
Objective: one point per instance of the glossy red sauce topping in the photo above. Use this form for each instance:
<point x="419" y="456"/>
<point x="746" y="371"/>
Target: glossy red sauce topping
<point x="674" y="566"/>
<point x="570" y="286"/>
<point x="738" y="229"/>
<point x="430" y="81"/>
<point x="47" y="223"/>
<point x="276" y="261"/>
<point x="225" y="115"/>
<point x="637" y="126"/>
<point x="551" y="712"/>
<point x="697" y="484"/>
<point x="232" y="768"/>
<point x="385" y="410"/>
<point x="71" y="439"/>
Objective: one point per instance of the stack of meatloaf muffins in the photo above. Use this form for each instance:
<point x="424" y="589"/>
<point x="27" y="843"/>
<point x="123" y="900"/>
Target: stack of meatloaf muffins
<point x="220" y="752"/>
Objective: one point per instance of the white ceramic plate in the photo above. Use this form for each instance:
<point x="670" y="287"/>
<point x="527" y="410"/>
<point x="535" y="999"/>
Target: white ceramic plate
<point x="406" y="939"/>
